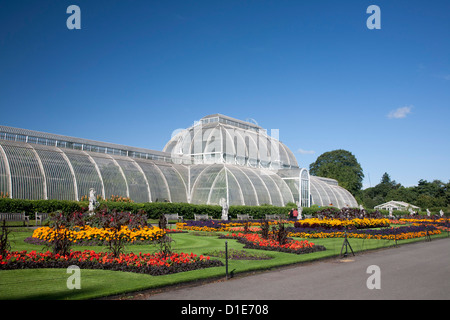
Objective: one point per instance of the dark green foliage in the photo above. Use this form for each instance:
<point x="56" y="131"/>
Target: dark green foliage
<point x="4" y="241"/>
<point x="265" y="229"/>
<point x="152" y="209"/>
<point x="433" y="195"/>
<point x="342" y="166"/>
<point x="257" y="212"/>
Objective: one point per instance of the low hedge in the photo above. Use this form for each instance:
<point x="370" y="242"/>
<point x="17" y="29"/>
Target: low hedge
<point x="155" y="209"/>
<point x="41" y="206"/>
<point x="258" y="212"/>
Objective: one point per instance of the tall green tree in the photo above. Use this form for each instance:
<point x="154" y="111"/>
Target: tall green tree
<point x="341" y="165"/>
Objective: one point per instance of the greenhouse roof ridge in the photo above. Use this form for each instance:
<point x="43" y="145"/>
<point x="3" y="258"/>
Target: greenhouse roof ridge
<point x="221" y="118"/>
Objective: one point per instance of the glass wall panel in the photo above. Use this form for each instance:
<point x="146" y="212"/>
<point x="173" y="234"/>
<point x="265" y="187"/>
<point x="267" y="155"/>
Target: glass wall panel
<point x="315" y="195"/>
<point x="85" y="173"/>
<point x="324" y="194"/>
<point x="203" y="184"/>
<point x="275" y="192"/>
<point x="304" y="188"/>
<point x="137" y="185"/>
<point x="159" y="189"/>
<point x="176" y="184"/>
<point x="293" y="186"/>
<point x="219" y="188"/>
<point x="228" y="144"/>
<point x="113" y="179"/>
<point x="291" y="156"/>
<point x="4" y="175"/>
<point x="26" y="175"/>
<point x="258" y="184"/>
<point x="235" y="196"/>
<point x="330" y="194"/>
<point x="284" y="158"/>
<point x="246" y="186"/>
<point x="60" y="181"/>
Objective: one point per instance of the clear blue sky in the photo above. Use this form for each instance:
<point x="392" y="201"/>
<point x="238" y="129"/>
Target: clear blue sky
<point x="137" y="70"/>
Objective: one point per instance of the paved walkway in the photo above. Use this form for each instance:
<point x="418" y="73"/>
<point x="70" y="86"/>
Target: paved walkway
<point x="412" y="271"/>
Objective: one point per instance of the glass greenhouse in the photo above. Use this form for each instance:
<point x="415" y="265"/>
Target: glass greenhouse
<point x="218" y="158"/>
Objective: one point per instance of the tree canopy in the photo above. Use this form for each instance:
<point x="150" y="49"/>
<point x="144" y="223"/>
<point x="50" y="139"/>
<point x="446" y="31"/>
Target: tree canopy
<point x="340" y="165"/>
<point x="434" y="194"/>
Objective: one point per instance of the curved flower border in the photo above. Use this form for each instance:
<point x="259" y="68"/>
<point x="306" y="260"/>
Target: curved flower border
<point x="153" y="264"/>
<point x="83" y="234"/>
<point x="255" y="241"/>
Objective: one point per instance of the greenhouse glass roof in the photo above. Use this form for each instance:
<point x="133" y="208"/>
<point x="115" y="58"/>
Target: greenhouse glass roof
<point x="217" y="158"/>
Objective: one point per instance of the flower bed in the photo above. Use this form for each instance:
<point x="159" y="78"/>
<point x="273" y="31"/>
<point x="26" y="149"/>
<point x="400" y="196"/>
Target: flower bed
<point x="399" y="233"/>
<point x="428" y="220"/>
<point x="153" y="264"/>
<point x="89" y="235"/>
<point x="255" y="241"/>
<point x="242" y="229"/>
<point x="356" y="223"/>
<point x="218" y="225"/>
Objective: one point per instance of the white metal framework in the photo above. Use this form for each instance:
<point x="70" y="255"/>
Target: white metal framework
<point x="217" y="158"/>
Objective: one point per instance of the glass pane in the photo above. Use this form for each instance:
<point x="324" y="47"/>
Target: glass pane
<point x="202" y="185"/>
<point x="26" y="175"/>
<point x="176" y="184"/>
<point x="260" y="188"/>
<point x="275" y="193"/>
<point x="235" y="196"/>
<point x="219" y="188"/>
<point x="245" y="186"/>
<point x="137" y="185"/>
<point x="4" y="175"/>
<point x="85" y="173"/>
<point x="59" y="178"/>
<point x="112" y="177"/>
<point x="158" y="186"/>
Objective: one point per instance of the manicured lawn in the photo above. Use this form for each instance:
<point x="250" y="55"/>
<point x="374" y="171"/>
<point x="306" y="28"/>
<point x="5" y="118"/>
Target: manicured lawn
<point x="51" y="283"/>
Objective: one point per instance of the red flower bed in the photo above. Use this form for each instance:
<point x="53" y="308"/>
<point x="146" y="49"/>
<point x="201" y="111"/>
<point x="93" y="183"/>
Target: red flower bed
<point x="154" y="264"/>
<point x="255" y="241"/>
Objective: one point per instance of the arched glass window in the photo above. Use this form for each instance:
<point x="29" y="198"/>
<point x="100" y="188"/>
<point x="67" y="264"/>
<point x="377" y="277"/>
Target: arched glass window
<point x="304" y="188"/>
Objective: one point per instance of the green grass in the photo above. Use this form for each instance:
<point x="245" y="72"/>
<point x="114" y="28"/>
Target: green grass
<point x="51" y="283"/>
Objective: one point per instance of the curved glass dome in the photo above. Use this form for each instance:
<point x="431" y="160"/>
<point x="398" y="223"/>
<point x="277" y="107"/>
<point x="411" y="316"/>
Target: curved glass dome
<point x="326" y="192"/>
<point x="221" y="139"/>
<point x="238" y="185"/>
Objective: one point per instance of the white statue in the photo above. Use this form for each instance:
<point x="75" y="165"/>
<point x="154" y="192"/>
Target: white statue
<point x="411" y="212"/>
<point x="441" y="213"/>
<point x="224" y="204"/>
<point x="390" y="212"/>
<point x="93" y="203"/>
<point x="300" y="211"/>
<point x="428" y="212"/>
